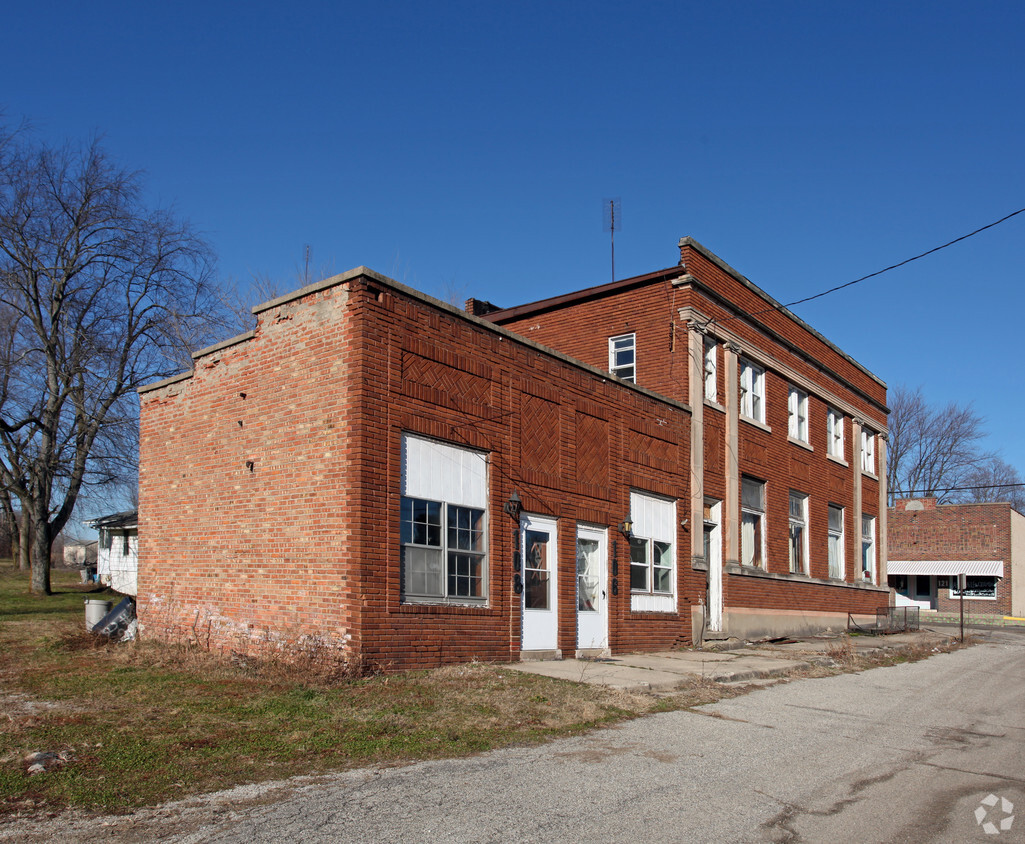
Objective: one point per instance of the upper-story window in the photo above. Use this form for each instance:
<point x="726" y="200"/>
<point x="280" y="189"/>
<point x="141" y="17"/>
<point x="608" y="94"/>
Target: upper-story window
<point x="868" y="451"/>
<point x="623" y="356"/>
<point x="752" y="391"/>
<point x="834" y="433"/>
<point x="797" y="408"/>
<point x="711" y="369"/>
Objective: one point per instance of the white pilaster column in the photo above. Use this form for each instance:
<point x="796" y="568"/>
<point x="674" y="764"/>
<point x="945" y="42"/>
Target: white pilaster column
<point x="731" y="521"/>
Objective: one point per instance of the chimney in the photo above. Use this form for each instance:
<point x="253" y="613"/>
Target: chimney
<point x="478" y="307"/>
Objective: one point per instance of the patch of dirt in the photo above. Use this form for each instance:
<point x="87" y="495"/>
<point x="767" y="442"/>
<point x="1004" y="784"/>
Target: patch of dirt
<point x="18" y="707"/>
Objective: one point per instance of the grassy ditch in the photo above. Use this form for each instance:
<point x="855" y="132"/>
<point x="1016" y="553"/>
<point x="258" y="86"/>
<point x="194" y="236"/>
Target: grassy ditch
<point x="133" y="724"/>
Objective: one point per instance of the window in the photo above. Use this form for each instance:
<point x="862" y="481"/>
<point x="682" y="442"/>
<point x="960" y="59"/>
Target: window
<point x="622" y="356"/>
<point x="652" y="554"/>
<point x="798" y="533"/>
<point x="976" y="586"/>
<point x="752" y="391"/>
<point x="752" y="522"/>
<point x="868" y="548"/>
<point x="125" y="546"/>
<point x="868" y="451"/>
<point x="834" y="433"/>
<point x="651" y="565"/>
<point x="105" y="539"/>
<point x="711" y="369"/>
<point x="443" y="523"/>
<point x="835" y="542"/>
<point x="797" y="405"/>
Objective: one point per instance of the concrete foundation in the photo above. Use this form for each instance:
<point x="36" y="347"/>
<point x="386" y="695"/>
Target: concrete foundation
<point x="748" y="623"/>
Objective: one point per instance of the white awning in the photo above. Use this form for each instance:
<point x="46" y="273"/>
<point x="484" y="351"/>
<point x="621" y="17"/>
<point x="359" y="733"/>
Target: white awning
<point x="983" y="568"/>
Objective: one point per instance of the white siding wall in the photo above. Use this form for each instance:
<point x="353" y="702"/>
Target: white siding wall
<point x="116" y="569"/>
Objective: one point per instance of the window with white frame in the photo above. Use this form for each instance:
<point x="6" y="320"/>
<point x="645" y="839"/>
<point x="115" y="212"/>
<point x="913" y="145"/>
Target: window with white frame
<point x="868" y="548"/>
<point x="798" y="533"/>
<point x="652" y="552"/>
<point x="835" y="549"/>
<point x="834" y="433"/>
<point x="868" y="451"/>
<point x="752" y="391"/>
<point x="976" y="586"/>
<point x="711" y="368"/>
<point x="752" y="522"/>
<point x="443" y="523"/>
<point x="797" y="410"/>
<point x="622" y="356"/>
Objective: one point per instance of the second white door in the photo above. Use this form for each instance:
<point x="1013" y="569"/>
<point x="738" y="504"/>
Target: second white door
<point x="592" y="603"/>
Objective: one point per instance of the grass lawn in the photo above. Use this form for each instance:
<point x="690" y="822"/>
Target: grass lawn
<point x="138" y="723"/>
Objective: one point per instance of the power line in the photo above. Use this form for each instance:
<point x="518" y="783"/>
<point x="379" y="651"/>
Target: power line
<point x="935" y="249"/>
<point x="956" y="488"/>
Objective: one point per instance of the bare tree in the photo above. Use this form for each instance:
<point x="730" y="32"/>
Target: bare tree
<point x="238" y="300"/>
<point x="996" y="480"/>
<point x="100" y="295"/>
<point x="933" y="451"/>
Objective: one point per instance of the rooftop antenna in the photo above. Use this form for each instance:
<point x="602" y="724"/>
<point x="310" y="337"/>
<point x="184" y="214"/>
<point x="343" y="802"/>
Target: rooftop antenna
<point x="612" y="220"/>
<point x="307" y="250"/>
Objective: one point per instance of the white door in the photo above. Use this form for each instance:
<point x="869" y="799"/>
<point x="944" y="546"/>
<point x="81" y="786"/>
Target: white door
<point x="592" y="603"/>
<point x="713" y="557"/>
<point x="538" y="544"/>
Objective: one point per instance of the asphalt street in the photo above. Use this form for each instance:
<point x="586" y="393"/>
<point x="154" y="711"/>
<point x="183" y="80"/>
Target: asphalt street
<point x="908" y="753"/>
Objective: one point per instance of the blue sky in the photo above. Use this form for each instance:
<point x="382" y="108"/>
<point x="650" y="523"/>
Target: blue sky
<point x="465" y="149"/>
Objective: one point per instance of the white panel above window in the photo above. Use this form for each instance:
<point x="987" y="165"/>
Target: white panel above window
<point x="441" y="472"/>
<point x="653" y="517"/>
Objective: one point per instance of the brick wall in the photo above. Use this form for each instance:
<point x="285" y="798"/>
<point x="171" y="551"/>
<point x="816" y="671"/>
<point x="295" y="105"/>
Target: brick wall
<point x="271" y="479"/>
<point x="240" y="547"/>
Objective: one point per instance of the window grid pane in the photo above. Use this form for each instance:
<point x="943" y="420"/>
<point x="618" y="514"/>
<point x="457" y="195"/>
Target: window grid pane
<point x="622" y="354"/>
<point x="639" y="564"/>
<point x="426" y="547"/>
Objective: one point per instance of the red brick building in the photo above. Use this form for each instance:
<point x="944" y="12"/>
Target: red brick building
<point x="788" y="465"/>
<point x="930" y="544"/>
<point x="374" y="472"/>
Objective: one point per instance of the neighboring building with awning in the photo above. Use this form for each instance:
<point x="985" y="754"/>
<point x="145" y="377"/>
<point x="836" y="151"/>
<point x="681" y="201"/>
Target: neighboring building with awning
<point x="931" y="544"/>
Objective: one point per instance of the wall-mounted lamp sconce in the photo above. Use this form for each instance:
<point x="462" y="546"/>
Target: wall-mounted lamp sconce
<point x="626" y="527"/>
<point x="250" y="465"/>
<point x="684" y="524"/>
<point x="514" y="506"/>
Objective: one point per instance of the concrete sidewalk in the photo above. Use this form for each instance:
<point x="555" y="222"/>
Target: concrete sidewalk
<point x="668" y="670"/>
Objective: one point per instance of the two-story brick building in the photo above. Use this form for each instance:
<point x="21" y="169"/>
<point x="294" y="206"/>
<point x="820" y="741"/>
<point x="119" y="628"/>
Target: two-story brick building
<point x="373" y="472"/>
<point x="930" y="544"/>
<point x="788" y="465"/>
